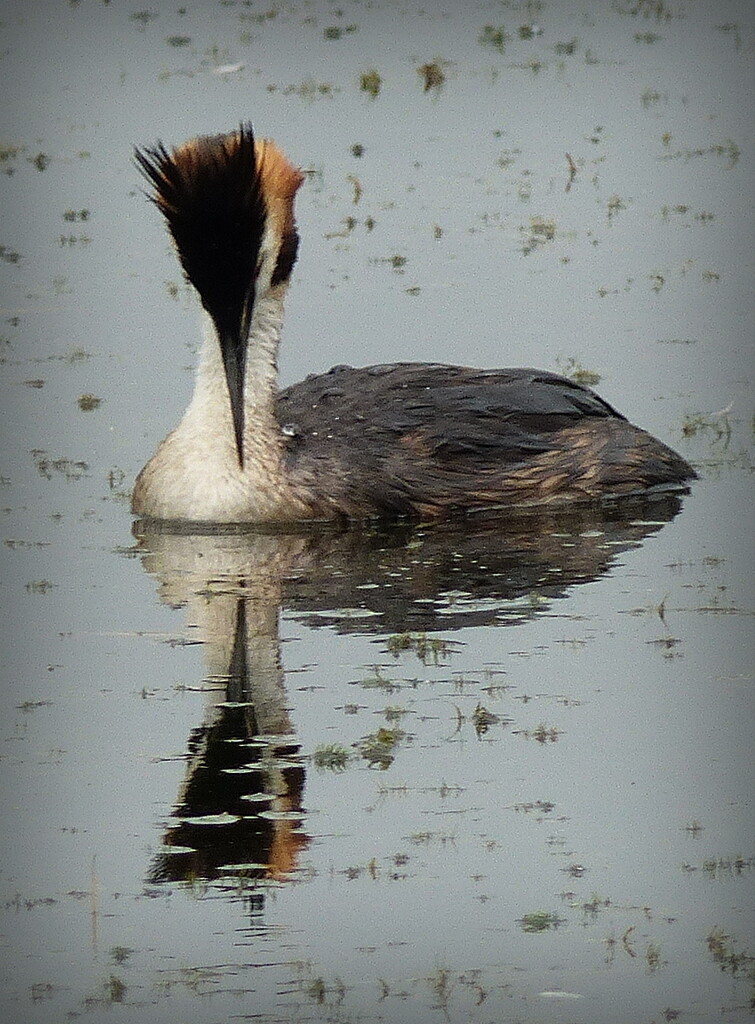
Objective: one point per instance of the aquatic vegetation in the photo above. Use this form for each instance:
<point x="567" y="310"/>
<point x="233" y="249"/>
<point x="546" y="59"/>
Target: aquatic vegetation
<point x="539" y="921"/>
<point x="666" y="645"/>
<point x="378" y="748"/>
<point x="116" y="989"/>
<point x="653" y="957"/>
<point x="338" y="31"/>
<point x="259" y="18"/>
<point x="656" y="9"/>
<point x="8" y="255"/>
<point x="357" y="186"/>
<point x="331" y="757"/>
<point x="60" y="285"/>
<point x="426" y="838"/>
<point x="371" y="83"/>
<point x="309" y="89"/>
<point x="88" y="402"/>
<point x="722" y="948"/>
<point x="717" y="425"/>
<point x="120" y="954"/>
<point x="377" y="681"/>
<point x="727" y="149"/>
<point x="534" y="65"/>
<point x="542" y="733"/>
<point x="650" y="97"/>
<point x="497" y="37"/>
<point x="76" y="215"/>
<point x="573" y="369"/>
<point x="615" y="204"/>
<point x="731" y="29"/>
<point x="483" y="719"/>
<point x="726" y="867"/>
<point x="32" y="705"/>
<point x="539" y="231"/>
<point x="71" y="240"/>
<point x="74" y="355"/>
<point x="442" y="984"/>
<point x="542" y="806"/>
<point x="572" y="171"/>
<point x="682" y="209"/>
<point x="566" y="49"/>
<point x="70" y="469"/>
<point x="433" y="74"/>
<point x="316" y="990"/>
<point x="393" y="713"/>
<point x="142" y="18"/>
<point x="333" y="994"/>
<point x="575" y="870"/>
<point x="8" y="153"/>
<point x="592" y="905"/>
<point x="428" y="649"/>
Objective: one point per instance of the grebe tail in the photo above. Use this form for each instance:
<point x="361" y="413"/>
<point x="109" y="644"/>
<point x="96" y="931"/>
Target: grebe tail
<point x="403" y="439"/>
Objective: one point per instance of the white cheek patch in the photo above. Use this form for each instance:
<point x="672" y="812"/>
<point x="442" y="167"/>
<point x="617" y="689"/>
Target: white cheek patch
<point x="267" y="258"/>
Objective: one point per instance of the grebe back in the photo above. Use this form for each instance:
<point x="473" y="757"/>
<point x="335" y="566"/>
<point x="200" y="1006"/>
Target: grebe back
<point x="414" y="439"/>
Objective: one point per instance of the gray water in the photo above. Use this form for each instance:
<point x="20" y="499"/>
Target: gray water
<point x="497" y="774"/>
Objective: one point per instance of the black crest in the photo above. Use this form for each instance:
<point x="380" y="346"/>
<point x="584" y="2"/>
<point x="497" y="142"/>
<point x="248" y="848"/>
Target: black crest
<point x="209" y="193"/>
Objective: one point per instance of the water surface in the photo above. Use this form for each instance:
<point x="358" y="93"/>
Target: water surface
<point x="497" y="773"/>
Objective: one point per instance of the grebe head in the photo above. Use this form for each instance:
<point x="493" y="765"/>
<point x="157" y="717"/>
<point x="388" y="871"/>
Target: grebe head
<point x="229" y="204"/>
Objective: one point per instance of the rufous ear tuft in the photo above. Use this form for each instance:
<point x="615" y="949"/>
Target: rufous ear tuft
<point x="279" y="179"/>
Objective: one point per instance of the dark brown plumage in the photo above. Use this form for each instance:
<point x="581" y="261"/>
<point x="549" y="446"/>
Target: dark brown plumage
<point x="424" y="439"/>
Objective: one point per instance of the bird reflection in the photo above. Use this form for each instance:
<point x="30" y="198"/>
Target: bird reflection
<point x="240" y="812"/>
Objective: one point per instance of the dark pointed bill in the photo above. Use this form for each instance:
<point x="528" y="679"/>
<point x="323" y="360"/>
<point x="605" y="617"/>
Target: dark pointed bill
<point x="233" y="349"/>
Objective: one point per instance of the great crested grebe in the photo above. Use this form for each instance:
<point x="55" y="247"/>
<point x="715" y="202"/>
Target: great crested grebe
<point x="415" y="439"/>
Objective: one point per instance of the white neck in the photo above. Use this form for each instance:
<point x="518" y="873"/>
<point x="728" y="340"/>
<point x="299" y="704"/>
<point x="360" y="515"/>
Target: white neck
<point x="195" y="473"/>
<point x="210" y="409"/>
